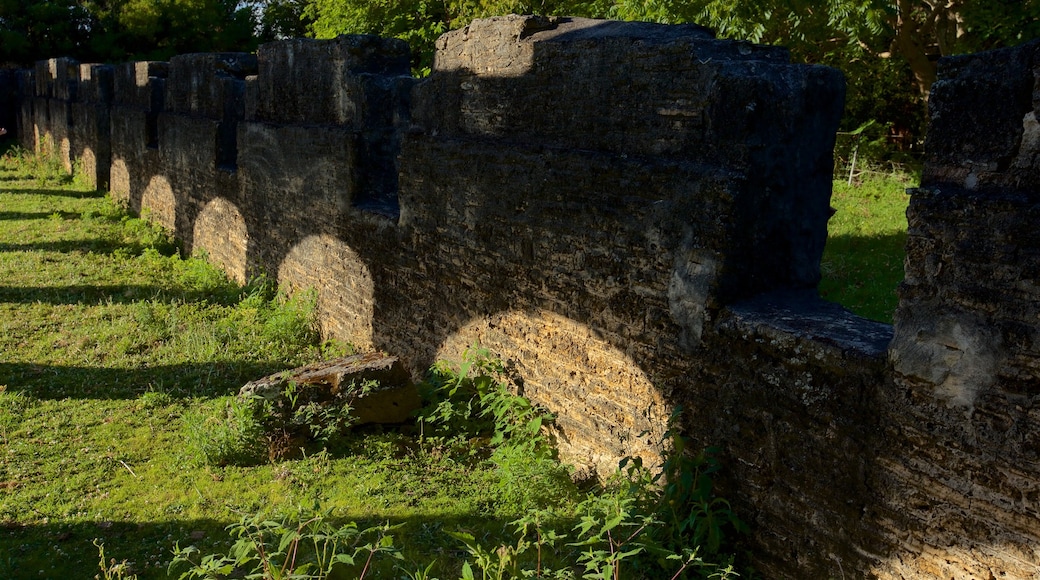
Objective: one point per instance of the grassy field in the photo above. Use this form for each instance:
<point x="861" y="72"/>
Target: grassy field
<point x="863" y="262"/>
<point x="116" y="350"/>
<point x="111" y="342"/>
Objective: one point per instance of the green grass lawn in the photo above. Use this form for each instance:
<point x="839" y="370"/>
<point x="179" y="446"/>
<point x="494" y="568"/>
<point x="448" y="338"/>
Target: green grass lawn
<point x="863" y="262"/>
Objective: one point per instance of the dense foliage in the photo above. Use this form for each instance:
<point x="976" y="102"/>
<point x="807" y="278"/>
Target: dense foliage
<point x="121" y="30"/>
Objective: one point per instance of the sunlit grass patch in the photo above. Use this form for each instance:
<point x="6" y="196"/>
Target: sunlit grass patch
<point x="863" y="262"/>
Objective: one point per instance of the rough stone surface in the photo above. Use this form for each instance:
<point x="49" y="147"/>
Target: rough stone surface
<point x="346" y="81"/>
<point x="962" y="465"/>
<point x="378" y="388"/>
<point x="983" y="134"/>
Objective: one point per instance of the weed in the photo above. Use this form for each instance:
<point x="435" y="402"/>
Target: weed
<point x="664" y="525"/>
<point x="474" y="401"/>
<point x="112" y="570"/>
<point x="303" y="545"/>
<point x="470" y="403"/>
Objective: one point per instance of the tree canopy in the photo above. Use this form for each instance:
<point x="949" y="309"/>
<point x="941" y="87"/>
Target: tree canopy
<point x="120" y="30"/>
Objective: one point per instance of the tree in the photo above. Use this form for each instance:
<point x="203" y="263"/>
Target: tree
<point x="159" y="29"/>
<point x="280" y="19"/>
<point x="34" y="29"/>
<point x="119" y="30"/>
<point x="419" y="22"/>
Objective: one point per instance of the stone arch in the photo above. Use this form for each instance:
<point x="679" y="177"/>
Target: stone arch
<point x="344" y="286"/>
<point x="159" y="202"/>
<point x="119" y="177"/>
<point x="606" y="407"/>
<point x="65" y="154"/>
<point x="220" y="230"/>
<point x="88" y="163"/>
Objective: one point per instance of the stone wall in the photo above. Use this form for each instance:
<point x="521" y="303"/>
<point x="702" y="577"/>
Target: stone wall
<point x="631" y="216"/>
<point x="963" y="446"/>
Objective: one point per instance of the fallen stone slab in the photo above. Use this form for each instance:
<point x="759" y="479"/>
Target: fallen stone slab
<point x="377" y="387"/>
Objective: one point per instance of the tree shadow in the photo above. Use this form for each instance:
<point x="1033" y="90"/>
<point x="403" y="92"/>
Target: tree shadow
<point x="185" y="380"/>
<point x="54" y="550"/>
<point x="87" y="294"/>
<point x="26" y="216"/>
<point x="71" y="193"/>
<point x="92" y="245"/>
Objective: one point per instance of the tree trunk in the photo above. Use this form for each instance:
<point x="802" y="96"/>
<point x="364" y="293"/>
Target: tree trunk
<point x="911" y="41"/>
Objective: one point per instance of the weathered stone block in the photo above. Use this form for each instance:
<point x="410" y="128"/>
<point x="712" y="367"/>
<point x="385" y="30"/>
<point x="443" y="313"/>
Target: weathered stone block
<point x="141" y="84"/>
<point x="91" y="142"/>
<point x="378" y="387"/>
<point x="297" y="177"/>
<point x="349" y="80"/>
<point x="96" y="83"/>
<point x="966" y="352"/>
<point x="983" y="131"/>
<point x="514" y="79"/>
<point x="188" y="144"/>
<point x="209" y="84"/>
<point x="131" y="132"/>
<point x="57" y="78"/>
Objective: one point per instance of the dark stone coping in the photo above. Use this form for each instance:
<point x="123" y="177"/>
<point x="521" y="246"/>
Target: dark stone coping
<point x="804" y="316"/>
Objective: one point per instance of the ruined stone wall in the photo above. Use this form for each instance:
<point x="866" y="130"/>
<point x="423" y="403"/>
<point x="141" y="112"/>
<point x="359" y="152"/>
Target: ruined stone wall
<point x="632" y="217"/>
<point x="962" y="468"/>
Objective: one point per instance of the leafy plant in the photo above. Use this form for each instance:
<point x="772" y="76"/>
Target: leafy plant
<point x="472" y="410"/>
<point x="110" y="569"/>
<point x="666" y="524"/>
<point x="305" y="545"/>
<point x="474" y="401"/>
<point x="312" y="417"/>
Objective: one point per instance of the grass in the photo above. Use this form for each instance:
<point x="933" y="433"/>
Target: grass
<point x="863" y="261"/>
<point x="111" y="341"/>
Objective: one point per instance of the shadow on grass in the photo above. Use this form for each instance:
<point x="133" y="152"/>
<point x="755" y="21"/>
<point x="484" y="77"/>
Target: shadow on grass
<point x="185" y="380"/>
<point x="124" y="294"/>
<point x="66" y="549"/>
<point x="27" y="216"/>
<point x="77" y="194"/>
<point x="862" y="273"/>
<point x="95" y="245"/>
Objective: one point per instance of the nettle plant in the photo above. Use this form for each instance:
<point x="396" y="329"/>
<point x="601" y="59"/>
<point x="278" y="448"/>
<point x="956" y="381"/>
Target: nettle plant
<point x="475" y="401"/>
<point x="301" y="545"/>
<point x="641" y="524"/>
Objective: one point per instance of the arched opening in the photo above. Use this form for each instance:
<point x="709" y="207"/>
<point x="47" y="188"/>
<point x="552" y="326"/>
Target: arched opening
<point x="343" y="283"/>
<point x="160" y="203"/>
<point x="221" y="231"/>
